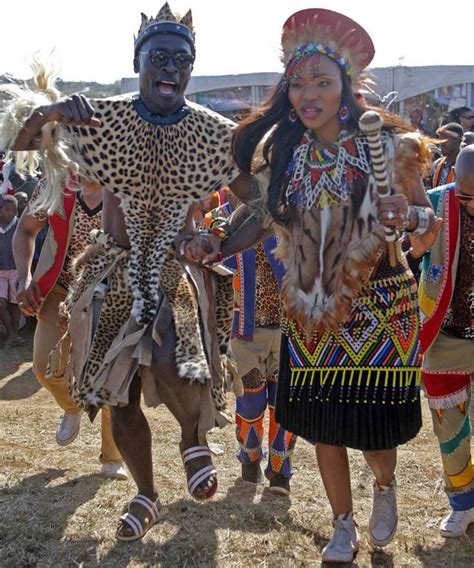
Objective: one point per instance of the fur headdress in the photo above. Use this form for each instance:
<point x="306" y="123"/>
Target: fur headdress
<point x="329" y="33"/>
<point x="166" y="22"/>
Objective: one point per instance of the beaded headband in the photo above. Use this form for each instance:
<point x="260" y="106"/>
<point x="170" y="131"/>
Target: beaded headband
<point x="318" y="31"/>
<point x="303" y="51"/>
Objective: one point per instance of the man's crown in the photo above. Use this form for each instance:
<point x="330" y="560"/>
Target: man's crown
<point x="166" y="15"/>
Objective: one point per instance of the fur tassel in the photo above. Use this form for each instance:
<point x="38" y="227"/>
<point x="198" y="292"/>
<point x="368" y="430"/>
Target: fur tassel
<point x="53" y="151"/>
<point x="448" y="401"/>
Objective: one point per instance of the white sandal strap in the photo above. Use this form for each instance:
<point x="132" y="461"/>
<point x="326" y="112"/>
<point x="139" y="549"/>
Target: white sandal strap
<point x="146" y="502"/>
<point x="134" y="523"/>
<point x="195" y="452"/>
<point x="200" y="476"/>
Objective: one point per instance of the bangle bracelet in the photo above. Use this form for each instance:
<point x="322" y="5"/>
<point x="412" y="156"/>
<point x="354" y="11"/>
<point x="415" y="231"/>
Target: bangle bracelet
<point x="423" y="220"/>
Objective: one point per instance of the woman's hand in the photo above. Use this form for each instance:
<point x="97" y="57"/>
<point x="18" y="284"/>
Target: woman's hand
<point x="394" y="211"/>
<point x="29" y="298"/>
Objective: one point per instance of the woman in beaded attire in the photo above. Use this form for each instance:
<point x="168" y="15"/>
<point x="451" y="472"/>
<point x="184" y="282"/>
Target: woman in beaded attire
<point x="349" y="369"/>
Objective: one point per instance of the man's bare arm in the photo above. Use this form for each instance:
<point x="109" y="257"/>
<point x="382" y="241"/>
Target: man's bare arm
<point x="75" y="111"/>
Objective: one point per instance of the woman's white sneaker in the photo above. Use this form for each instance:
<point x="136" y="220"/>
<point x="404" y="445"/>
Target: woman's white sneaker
<point x="68" y="428"/>
<point x="344" y="543"/>
<point x="456" y="523"/>
<point x="384" y="518"/>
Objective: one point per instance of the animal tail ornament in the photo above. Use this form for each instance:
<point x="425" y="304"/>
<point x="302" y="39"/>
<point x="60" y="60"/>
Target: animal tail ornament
<point x="371" y="124"/>
<point x="52" y="151"/>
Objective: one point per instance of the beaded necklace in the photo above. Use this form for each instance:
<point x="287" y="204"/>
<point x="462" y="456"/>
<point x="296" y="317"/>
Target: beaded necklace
<point x="322" y="176"/>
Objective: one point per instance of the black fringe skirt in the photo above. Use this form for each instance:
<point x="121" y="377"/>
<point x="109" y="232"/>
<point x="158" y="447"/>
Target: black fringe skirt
<point x="365" y="409"/>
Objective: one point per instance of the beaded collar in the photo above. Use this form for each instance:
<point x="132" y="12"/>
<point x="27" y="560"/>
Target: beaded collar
<point x="142" y="111"/>
<point x="322" y="177"/>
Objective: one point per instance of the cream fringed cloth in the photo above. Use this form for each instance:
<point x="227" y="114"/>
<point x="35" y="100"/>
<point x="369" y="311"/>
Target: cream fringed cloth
<point x="109" y="347"/>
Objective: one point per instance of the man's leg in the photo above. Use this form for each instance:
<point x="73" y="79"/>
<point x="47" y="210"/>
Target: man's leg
<point x="132" y="436"/>
<point x="249" y="415"/>
<point x="186" y="400"/>
<point x="453" y="429"/>
<point x="281" y="444"/>
<point x="447" y="369"/>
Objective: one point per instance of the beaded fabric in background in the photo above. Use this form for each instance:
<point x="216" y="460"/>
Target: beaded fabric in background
<point x="322" y="177"/>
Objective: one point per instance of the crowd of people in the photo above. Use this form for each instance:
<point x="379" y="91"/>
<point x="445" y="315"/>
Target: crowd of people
<point x="332" y="277"/>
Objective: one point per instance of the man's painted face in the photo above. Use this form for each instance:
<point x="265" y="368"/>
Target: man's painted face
<point x="164" y="64"/>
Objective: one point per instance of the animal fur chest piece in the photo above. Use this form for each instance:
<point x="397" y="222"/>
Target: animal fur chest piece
<point x="157" y="170"/>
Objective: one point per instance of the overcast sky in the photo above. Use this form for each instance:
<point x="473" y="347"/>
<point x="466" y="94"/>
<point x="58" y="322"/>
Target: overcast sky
<point x="93" y="39"/>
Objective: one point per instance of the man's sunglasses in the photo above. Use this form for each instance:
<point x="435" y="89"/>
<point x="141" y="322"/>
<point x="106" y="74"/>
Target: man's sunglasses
<point x="160" y="58"/>
<point x="463" y="197"/>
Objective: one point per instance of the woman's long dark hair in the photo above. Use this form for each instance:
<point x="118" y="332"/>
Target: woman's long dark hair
<point x="273" y="119"/>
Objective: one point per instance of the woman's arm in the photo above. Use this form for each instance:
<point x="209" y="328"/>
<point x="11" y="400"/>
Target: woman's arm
<point x="28" y="294"/>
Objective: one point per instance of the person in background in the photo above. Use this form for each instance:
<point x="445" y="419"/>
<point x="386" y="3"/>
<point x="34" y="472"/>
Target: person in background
<point x="22" y="199"/>
<point x="9" y="312"/>
<point x="446" y="295"/>
<point x="42" y="289"/>
<point x="467" y="139"/>
<point x="463" y="116"/>
<point x="416" y="120"/>
<point x="255" y="350"/>
<point x="442" y="171"/>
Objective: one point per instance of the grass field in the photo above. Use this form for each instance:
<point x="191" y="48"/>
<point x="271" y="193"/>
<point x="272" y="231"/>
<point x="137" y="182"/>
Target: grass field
<point x="56" y="511"/>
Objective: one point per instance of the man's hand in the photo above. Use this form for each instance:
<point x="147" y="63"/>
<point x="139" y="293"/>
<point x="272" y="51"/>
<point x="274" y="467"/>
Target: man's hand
<point x="29" y="298"/>
<point x="203" y="248"/>
<point x="74" y="111"/>
<point x="422" y="243"/>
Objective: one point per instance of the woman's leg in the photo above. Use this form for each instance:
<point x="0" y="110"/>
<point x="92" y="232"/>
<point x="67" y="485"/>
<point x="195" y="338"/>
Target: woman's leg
<point x="334" y="467"/>
<point x="382" y="463"/>
<point x="384" y="518"/>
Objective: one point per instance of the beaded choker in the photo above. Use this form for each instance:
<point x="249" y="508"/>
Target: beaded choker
<point x="141" y="109"/>
<point x="322" y="177"/>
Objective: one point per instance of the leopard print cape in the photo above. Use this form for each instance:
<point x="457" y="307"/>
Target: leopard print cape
<point x="157" y="171"/>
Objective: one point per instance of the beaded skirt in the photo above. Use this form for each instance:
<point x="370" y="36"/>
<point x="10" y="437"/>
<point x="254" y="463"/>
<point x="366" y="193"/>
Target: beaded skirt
<point x="358" y="387"/>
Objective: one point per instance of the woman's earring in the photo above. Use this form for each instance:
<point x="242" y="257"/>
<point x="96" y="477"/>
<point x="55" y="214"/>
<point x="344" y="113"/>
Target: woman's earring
<point x="292" y="117"/>
<point x="344" y="114"/>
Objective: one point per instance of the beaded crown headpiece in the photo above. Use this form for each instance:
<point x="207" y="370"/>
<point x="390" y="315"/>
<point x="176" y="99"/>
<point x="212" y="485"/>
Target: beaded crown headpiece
<point x="166" y="22"/>
<point x="329" y="33"/>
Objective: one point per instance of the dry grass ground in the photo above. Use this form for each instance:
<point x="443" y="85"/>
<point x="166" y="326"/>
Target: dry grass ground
<point x="56" y="511"/>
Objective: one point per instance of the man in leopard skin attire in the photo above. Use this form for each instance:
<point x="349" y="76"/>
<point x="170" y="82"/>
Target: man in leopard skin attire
<point x="155" y="153"/>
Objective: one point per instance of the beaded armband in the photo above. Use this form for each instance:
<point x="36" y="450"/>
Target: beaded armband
<point x="220" y="227"/>
<point x="423" y="220"/>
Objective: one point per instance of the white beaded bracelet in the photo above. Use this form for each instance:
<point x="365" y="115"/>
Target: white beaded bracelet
<point x="423" y="220"/>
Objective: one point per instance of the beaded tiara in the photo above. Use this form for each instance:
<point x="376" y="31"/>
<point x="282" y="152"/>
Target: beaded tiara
<point x="329" y="33"/>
